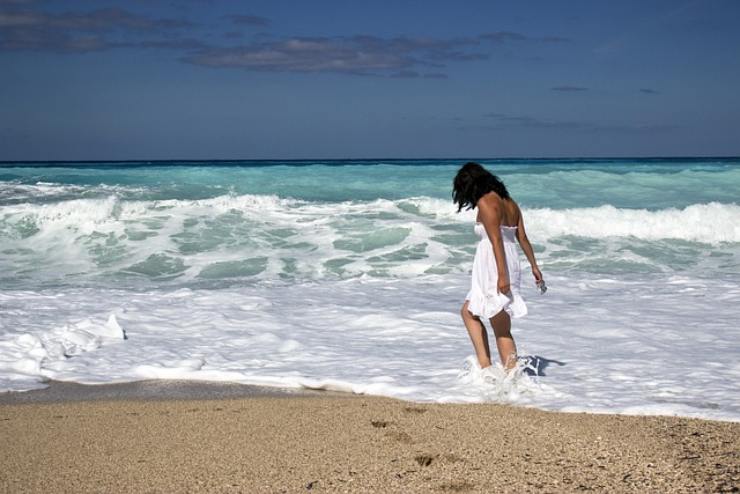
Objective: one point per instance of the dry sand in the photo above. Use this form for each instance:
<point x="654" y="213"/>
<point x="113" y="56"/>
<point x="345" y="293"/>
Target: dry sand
<point x="354" y="444"/>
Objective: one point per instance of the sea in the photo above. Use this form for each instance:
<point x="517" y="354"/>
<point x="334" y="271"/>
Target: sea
<point x="349" y="275"/>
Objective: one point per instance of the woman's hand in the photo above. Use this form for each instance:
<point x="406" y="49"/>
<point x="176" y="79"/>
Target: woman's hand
<point x="503" y="285"/>
<point x="537" y="274"/>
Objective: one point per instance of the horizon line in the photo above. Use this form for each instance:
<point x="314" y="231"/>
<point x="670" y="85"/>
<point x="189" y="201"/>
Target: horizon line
<point x="233" y="160"/>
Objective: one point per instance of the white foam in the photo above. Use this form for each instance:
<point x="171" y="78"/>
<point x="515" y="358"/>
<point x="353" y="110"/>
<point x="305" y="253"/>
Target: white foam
<point x="28" y="357"/>
<point x="188" y="239"/>
<point x="711" y="223"/>
<point x="667" y="345"/>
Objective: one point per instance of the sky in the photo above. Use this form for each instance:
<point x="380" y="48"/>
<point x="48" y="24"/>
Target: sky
<point x="199" y="79"/>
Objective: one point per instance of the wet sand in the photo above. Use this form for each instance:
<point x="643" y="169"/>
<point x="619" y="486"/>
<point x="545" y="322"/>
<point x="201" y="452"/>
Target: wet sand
<point x="344" y="443"/>
<point x="58" y="391"/>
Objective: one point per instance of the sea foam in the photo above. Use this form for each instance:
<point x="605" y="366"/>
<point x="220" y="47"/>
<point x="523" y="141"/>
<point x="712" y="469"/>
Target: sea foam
<point x="268" y="237"/>
<point x="591" y="344"/>
<point x="28" y="357"/>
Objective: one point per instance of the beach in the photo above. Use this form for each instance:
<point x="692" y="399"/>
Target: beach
<point x="274" y="247"/>
<point x="322" y="442"/>
<point x="294" y="326"/>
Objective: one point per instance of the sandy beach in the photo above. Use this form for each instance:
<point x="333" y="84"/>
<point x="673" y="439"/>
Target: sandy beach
<point x="344" y="443"/>
<point x="272" y="247"/>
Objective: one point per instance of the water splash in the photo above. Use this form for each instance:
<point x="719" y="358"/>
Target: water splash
<point x="496" y="383"/>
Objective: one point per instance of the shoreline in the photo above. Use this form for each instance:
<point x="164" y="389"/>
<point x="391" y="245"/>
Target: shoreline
<point x="61" y="392"/>
<point x="281" y="441"/>
<point x="150" y="390"/>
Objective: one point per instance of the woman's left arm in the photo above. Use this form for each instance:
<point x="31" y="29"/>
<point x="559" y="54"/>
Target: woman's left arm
<point x="521" y="235"/>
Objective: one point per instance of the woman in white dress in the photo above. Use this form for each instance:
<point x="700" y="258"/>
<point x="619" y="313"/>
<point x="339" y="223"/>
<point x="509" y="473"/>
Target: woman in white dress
<point x="494" y="292"/>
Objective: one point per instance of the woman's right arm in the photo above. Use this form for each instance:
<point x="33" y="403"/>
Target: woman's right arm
<point x="521" y="236"/>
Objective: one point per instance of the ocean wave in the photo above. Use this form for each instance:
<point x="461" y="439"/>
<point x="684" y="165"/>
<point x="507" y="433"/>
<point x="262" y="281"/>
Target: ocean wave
<point x="270" y="237"/>
<point x="709" y="223"/>
<point x="15" y="192"/>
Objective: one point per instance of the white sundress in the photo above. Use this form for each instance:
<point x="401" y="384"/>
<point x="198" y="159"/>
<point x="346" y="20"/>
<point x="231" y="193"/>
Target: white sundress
<point x="483" y="298"/>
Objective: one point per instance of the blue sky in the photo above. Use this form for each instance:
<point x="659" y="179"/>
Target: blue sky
<point x="197" y="79"/>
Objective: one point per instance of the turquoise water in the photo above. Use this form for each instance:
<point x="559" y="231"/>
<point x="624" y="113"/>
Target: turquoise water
<point x="350" y="276"/>
<point x="256" y="221"/>
<point x="651" y="184"/>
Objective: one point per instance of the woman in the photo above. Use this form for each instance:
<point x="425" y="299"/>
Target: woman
<point x="494" y="293"/>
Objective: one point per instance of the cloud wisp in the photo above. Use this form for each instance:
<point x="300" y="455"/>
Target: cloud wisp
<point x="401" y="56"/>
<point x="505" y="36"/>
<point x="504" y="121"/>
<point x="569" y="89"/>
<point x="362" y="55"/>
<point x="27" y="29"/>
<point x="249" y="20"/>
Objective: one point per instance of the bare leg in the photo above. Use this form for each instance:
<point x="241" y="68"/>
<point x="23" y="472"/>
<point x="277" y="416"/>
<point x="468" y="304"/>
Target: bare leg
<point x="478" y="335"/>
<point x="501" y="323"/>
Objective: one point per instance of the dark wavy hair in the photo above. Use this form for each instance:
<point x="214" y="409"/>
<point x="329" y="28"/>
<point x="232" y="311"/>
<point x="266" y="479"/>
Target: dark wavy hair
<point x="473" y="182"/>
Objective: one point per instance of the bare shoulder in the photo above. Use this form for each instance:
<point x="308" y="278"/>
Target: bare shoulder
<point x="490" y="201"/>
<point x="490" y="204"/>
